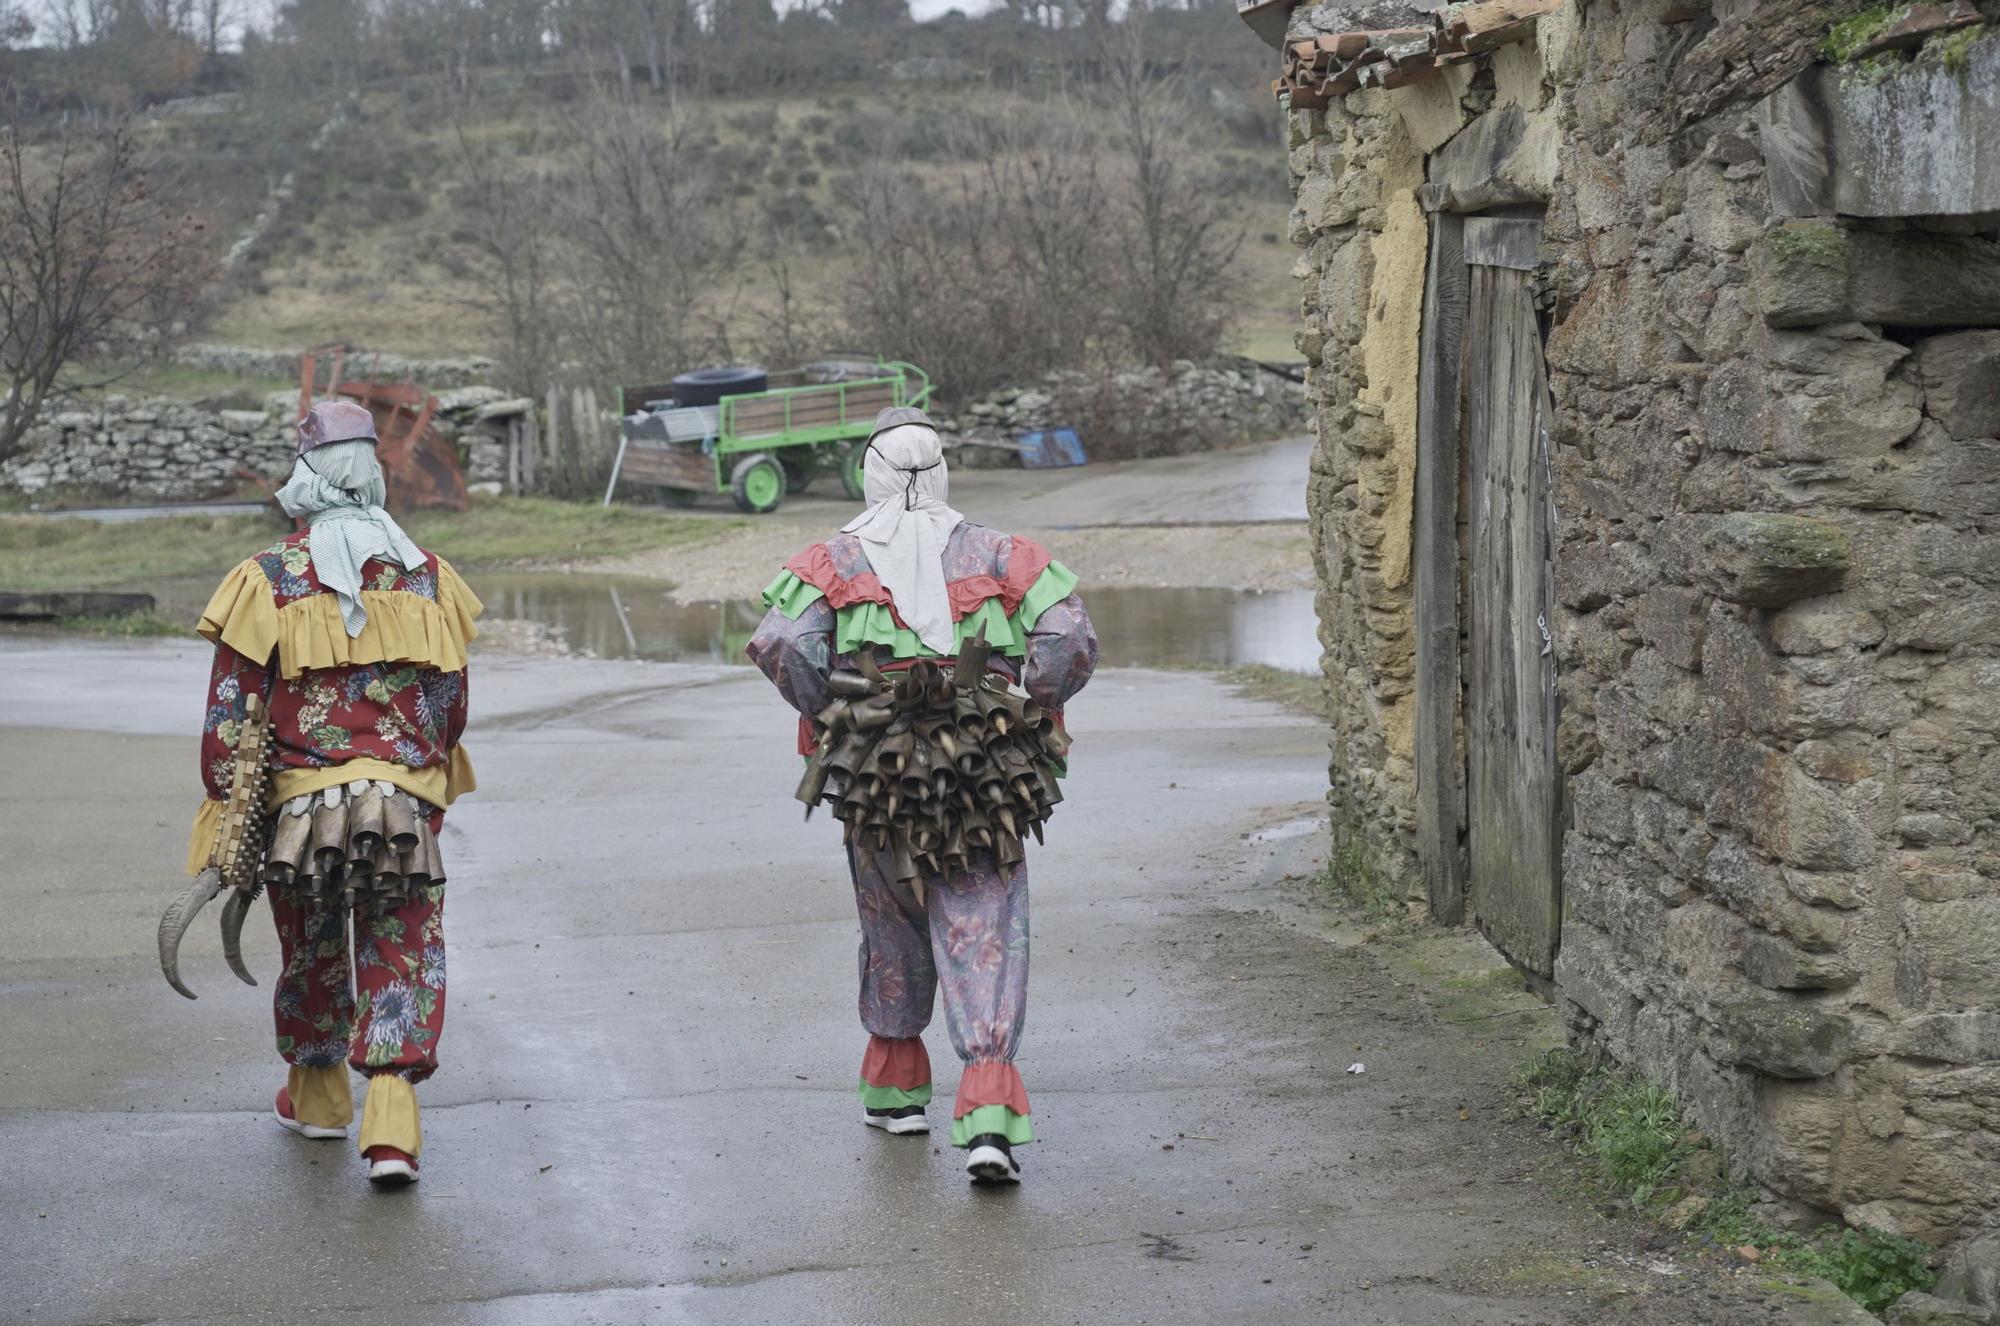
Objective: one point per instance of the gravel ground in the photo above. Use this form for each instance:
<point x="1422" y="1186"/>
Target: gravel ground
<point x="1225" y="520"/>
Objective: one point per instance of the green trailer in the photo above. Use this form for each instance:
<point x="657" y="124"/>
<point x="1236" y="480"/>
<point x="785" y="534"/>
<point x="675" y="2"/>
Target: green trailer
<point x="757" y="445"/>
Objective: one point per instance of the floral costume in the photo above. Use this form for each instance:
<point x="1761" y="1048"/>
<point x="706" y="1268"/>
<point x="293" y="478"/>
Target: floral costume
<point x="384" y="708"/>
<point x="969" y="938"/>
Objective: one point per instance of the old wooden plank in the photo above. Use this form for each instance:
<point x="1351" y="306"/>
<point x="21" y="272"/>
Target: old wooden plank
<point x="1503" y="241"/>
<point x="1439" y="765"/>
<point x="49" y="605"/>
<point x="1477" y="667"/>
<point x="1513" y="789"/>
<point x="649" y="461"/>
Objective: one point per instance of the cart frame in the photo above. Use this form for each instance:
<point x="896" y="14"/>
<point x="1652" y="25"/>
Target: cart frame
<point x="798" y="428"/>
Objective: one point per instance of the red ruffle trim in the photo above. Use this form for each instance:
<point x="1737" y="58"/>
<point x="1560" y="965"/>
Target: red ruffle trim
<point x="1025" y="564"/>
<point x="904" y="1065"/>
<point x="815" y="567"/>
<point x="990" y="1084"/>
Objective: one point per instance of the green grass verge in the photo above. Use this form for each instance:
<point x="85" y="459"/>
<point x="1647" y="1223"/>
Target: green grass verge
<point x="130" y="626"/>
<point x="1637" y="1145"/>
<point x="36" y="553"/>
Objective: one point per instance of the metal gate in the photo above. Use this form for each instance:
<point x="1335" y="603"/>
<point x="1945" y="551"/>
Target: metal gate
<point x="1489" y="785"/>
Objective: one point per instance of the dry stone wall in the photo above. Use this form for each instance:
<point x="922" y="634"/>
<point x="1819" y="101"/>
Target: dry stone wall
<point x="1777" y="473"/>
<point x="168" y="450"/>
<point x="1348" y="163"/>
<point x="1138" y="411"/>
<point x="116" y="448"/>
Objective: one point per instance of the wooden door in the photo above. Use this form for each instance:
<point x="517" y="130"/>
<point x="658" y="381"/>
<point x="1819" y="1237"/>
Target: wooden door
<point x="1513" y="788"/>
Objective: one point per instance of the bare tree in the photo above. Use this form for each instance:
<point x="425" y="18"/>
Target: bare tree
<point x="96" y="262"/>
<point x="653" y="240"/>
<point x="1179" y="245"/>
<point x="998" y="273"/>
<point x="15" y="25"/>
<point x="513" y="222"/>
<point x="216" y="16"/>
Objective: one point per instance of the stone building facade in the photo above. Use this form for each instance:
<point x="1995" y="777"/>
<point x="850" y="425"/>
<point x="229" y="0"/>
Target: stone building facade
<point x="1754" y="369"/>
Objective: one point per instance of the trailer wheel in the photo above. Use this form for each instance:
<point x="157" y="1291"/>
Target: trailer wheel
<point x="758" y="483"/>
<point x="850" y="471"/>
<point x="798" y="473"/>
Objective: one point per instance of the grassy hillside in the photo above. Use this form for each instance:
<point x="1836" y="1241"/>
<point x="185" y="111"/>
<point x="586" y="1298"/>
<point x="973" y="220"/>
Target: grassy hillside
<point x="367" y="247"/>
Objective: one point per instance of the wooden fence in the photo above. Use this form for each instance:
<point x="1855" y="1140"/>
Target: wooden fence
<point x="565" y="448"/>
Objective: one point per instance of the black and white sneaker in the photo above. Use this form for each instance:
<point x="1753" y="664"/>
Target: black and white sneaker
<point x="989" y="1160"/>
<point x="902" y="1119"/>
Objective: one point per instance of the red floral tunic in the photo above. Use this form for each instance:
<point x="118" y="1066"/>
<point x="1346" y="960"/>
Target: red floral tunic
<point x="394" y="697"/>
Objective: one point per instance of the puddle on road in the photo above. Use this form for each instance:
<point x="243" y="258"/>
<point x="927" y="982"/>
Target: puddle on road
<point x="620" y="617"/>
<point x="1149" y="628"/>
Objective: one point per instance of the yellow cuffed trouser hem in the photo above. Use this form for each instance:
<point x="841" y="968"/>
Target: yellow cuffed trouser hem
<point x="389" y="1116"/>
<point x="321" y="1096"/>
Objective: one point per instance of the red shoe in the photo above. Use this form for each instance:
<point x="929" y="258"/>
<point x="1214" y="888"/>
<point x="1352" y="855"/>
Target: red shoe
<point x="390" y="1168"/>
<point x="287" y="1119"/>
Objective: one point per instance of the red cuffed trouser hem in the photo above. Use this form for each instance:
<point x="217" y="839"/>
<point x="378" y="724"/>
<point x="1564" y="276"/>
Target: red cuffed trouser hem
<point x="990" y="1084"/>
<point x="902" y="1064"/>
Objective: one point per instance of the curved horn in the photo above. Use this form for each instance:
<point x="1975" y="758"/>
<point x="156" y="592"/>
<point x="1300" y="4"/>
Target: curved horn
<point x="178" y="917"/>
<point x="233" y="913"/>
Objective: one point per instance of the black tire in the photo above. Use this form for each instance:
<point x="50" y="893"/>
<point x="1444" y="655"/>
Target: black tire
<point x="758" y="484"/>
<point x="799" y="472"/>
<point x="706" y="386"/>
<point x="678" y="496"/>
<point x="850" y="471"/>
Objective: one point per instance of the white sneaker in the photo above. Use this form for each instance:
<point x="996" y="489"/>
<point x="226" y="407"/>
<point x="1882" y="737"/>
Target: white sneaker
<point x="990" y="1160"/>
<point x="390" y="1168"/>
<point x="282" y="1113"/>
<point x="902" y="1120"/>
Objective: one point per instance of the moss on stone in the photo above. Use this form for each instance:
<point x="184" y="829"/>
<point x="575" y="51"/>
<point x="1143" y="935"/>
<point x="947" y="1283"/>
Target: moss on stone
<point x="1849" y="37"/>
<point x="1810" y="242"/>
<point x="1953" y="50"/>
<point x="1873" y="71"/>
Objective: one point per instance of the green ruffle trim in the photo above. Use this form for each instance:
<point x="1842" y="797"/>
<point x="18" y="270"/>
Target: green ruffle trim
<point x="892" y="1098"/>
<point x="790" y="595"/>
<point x="873" y="624"/>
<point x="1018" y="1129"/>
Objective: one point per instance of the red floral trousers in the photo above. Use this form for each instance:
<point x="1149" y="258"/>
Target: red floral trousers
<point x="380" y="1008"/>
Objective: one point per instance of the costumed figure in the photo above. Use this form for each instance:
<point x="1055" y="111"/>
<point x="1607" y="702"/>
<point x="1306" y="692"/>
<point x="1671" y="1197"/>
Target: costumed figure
<point x="329" y="750"/>
<point x="930" y="659"/>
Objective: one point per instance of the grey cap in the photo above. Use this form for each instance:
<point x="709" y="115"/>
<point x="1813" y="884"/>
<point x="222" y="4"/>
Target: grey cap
<point x="335" y="421"/>
<point x="895" y="416"/>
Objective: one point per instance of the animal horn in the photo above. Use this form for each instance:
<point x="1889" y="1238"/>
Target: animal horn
<point x="233" y="913"/>
<point x="178" y="917"/>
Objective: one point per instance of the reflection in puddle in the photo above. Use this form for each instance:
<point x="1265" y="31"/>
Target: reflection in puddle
<point x="620" y="617"/>
<point x="613" y="617"/>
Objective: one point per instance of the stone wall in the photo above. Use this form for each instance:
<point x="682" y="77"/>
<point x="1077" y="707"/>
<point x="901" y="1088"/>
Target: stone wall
<point x="472" y="370"/>
<point x="1355" y="168"/>
<point x="166" y="450"/>
<point x="1777" y="626"/>
<point x="1138" y="411"/>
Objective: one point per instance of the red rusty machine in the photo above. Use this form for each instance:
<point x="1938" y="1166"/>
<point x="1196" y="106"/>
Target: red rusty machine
<point x="420" y="464"/>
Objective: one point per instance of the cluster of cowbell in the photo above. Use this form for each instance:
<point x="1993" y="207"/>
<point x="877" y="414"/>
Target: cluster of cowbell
<point x="935" y="767"/>
<point x="363" y="842"/>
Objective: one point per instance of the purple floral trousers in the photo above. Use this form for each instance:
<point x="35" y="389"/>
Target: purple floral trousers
<point x="970" y="940"/>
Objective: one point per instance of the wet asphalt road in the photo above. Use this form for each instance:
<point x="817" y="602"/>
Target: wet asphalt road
<point x="645" y="1111"/>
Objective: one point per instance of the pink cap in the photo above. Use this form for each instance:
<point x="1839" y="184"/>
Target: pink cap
<point x="335" y="421"/>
